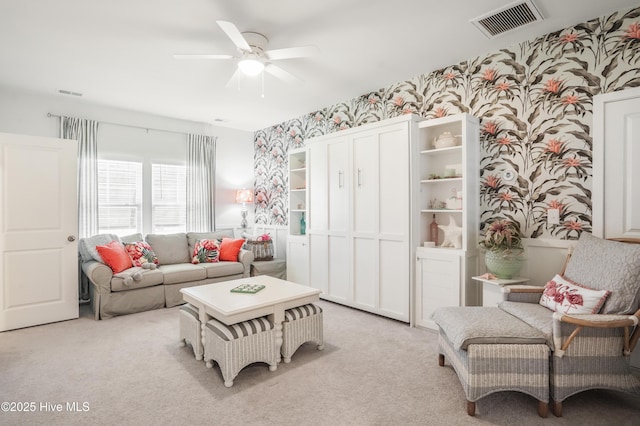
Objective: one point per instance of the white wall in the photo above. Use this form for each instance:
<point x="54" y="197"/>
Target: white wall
<point x="26" y="113"/>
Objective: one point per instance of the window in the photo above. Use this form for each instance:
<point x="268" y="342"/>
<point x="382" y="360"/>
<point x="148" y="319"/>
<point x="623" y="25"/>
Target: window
<point x="119" y="197"/>
<point x="169" y="198"/>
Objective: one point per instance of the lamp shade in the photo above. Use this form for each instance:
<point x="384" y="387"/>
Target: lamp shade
<point x="244" y="196"/>
<point x="251" y="66"/>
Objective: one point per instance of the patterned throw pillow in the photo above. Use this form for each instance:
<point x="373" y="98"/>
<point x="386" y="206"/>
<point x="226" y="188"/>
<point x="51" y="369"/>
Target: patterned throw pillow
<point x="115" y="256"/>
<point x="140" y="253"/>
<point x="206" y="251"/>
<point x="561" y="295"/>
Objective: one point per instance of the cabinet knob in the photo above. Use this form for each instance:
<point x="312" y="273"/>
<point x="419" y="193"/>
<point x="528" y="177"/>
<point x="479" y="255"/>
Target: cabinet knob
<point x="71" y="238"/>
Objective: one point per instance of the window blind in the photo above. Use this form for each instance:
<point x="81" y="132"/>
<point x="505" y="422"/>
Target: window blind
<point x="119" y="197"/>
<point x="169" y="198"/>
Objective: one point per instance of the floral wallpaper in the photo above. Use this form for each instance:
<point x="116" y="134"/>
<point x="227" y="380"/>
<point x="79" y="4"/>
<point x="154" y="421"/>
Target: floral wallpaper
<point x="534" y="102"/>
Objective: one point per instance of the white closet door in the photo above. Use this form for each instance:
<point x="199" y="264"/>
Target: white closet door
<point x="365" y="182"/>
<point x="338" y="159"/>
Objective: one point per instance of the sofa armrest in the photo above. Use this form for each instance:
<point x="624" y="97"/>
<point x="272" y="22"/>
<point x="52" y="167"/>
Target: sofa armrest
<point x="99" y="274"/>
<point x="246" y="257"/>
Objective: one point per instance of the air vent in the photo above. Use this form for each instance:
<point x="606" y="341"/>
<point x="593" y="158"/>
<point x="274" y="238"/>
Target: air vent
<point x="507" y="18"/>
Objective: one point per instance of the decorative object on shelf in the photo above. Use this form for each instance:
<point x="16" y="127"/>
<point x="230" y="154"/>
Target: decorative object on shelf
<point x="433" y="231"/>
<point x="452" y="234"/>
<point x="445" y="140"/>
<point x="303" y="225"/>
<point x="503" y="244"/>
<point x="455" y="201"/>
<point x="244" y="196"/>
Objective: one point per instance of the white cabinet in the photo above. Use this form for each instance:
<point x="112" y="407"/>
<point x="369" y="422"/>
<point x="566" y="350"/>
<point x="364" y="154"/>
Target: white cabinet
<point x="297" y="260"/>
<point x="449" y="190"/>
<point x="360" y="216"/>
<point x="297" y="242"/>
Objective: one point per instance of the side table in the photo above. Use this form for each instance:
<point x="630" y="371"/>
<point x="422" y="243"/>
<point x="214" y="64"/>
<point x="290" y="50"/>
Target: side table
<point x="492" y="289"/>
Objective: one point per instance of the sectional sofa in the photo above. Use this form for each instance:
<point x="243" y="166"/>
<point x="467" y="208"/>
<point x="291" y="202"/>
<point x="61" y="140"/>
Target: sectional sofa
<point x="118" y="294"/>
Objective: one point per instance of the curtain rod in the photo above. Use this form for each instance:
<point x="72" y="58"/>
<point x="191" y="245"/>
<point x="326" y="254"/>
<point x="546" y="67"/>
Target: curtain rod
<point x="128" y="125"/>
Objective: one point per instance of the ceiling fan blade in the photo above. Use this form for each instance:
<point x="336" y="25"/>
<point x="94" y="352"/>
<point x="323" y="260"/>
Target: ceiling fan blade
<point x="236" y="37"/>
<point x="292" y="52"/>
<point x="202" y="56"/>
<point x="233" y="81"/>
<point x="281" y="74"/>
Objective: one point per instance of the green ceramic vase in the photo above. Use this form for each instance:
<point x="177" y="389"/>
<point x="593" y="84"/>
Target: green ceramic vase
<point x="503" y="265"/>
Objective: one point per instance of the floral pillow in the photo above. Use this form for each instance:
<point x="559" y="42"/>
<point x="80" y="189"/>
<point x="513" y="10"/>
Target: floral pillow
<point x="141" y="253"/>
<point x="562" y="295"/>
<point x="206" y="251"/>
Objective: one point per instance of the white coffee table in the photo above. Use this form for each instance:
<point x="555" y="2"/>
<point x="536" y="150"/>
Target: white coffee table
<point x="217" y="301"/>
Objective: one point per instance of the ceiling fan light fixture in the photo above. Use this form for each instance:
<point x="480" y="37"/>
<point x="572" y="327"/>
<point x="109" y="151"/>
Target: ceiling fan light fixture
<point x="251" y="66"/>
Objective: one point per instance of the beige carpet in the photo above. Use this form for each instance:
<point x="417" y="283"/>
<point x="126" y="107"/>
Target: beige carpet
<point x="373" y="371"/>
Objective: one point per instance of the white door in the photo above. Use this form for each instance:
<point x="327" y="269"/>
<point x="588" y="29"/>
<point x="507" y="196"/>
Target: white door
<point x="39" y="264"/>
<point x="616" y="155"/>
<point x="616" y="175"/>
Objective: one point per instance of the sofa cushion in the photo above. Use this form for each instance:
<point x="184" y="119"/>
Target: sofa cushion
<point x="192" y="237"/>
<point x="170" y="248"/>
<point x="222" y="269"/>
<point x="132" y="238"/>
<point x="115" y="256"/>
<point x="608" y="265"/>
<point x="87" y="246"/>
<point x="466" y="325"/>
<point x="567" y="297"/>
<point x="149" y="278"/>
<point x="182" y="273"/>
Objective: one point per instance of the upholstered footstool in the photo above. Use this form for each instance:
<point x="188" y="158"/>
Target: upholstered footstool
<point x="493" y="351"/>
<point x="190" y="330"/>
<point x="235" y="346"/>
<point x="301" y="324"/>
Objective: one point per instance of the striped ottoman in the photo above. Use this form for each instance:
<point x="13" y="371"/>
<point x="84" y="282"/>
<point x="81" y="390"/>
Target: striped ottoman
<point x="301" y="324"/>
<point x="235" y="346"/>
<point x="190" y="329"/>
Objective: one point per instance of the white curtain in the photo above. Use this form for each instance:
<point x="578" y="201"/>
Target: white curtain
<point x="201" y="179"/>
<point x="86" y="133"/>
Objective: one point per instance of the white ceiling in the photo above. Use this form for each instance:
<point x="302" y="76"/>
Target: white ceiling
<point x="119" y="52"/>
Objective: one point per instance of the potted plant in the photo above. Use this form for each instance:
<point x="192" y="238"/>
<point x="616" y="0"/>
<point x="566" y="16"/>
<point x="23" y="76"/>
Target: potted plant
<point x="503" y="244"/>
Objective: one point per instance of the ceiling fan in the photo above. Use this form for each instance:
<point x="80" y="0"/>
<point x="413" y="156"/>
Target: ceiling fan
<point x="253" y="58"/>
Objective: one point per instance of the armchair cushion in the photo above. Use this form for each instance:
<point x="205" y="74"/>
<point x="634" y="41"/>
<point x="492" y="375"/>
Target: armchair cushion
<point x="608" y="265"/>
<point x="538" y="317"/>
<point x="481" y="325"/>
<point x="561" y="295"/>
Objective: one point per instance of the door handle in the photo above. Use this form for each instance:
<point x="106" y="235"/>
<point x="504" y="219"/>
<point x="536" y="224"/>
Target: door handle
<point x="359" y="178"/>
<point x="340" y="179"/>
<point x="71" y="238"/>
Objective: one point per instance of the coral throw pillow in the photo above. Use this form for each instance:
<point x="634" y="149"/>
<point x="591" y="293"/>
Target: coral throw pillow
<point x="229" y="249"/>
<point x="115" y="256"/>
<point x="141" y="253"/>
<point x="206" y="251"/>
<point x="562" y="295"/>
